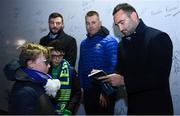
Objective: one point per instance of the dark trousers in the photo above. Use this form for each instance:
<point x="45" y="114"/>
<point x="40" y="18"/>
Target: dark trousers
<point x="2" y="112"/>
<point x="92" y="106"/>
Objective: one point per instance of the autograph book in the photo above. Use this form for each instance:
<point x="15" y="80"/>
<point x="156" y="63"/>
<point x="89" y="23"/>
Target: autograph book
<point x="106" y="87"/>
<point x="97" y="74"/>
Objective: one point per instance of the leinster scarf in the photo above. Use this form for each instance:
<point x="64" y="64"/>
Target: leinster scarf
<point x="64" y="93"/>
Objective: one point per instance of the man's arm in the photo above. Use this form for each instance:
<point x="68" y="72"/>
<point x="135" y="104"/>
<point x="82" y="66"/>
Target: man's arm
<point x="71" y="52"/>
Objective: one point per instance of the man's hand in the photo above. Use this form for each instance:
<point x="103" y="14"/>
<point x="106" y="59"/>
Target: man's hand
<point x="103" y="100"/>
<point x="113" y="79"/>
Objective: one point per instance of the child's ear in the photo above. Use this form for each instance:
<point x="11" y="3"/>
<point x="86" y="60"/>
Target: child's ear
<point x="30" y="64"/>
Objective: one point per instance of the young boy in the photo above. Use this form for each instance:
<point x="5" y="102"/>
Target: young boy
<point x="68" y="96"/>
<point x="32" y="87"/>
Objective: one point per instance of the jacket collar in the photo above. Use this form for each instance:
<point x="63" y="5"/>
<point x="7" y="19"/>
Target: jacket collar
<point x="60" y="34"/>
<point x="139" y="31"/>
<point x="103" y="32"/>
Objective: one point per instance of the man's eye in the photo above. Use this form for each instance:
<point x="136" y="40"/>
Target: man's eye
<point x="58" y="23"/>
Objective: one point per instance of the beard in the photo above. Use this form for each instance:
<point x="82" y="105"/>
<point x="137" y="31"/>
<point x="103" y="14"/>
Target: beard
<point x="58" y="31"/>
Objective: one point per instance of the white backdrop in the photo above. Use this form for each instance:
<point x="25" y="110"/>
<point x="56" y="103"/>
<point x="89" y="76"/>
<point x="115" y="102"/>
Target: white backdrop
<point x="27" y="20"/>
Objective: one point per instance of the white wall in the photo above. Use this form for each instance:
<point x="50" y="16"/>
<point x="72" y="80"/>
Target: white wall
<point x="27" y="20"/>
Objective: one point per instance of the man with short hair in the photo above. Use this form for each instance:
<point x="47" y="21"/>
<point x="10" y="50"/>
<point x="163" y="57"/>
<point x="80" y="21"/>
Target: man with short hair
<point x="57" y="35"/>
<point x="98" y="51"/>
<point x="144" y="64"/>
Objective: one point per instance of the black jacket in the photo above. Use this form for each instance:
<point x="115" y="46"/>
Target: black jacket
<point x="68" y="42"/>
<point x="145" y="59"/>
<point x="27" y="96"/>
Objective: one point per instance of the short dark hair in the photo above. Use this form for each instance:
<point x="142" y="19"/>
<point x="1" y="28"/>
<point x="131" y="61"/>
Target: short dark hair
<point x="55" y="15"/>
<point x="58" y="48"/>
<point x="92" y="13"/>
<point x="125" y="7"/>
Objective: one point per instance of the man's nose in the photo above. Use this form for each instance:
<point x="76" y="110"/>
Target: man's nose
<point x="54" y="24"/>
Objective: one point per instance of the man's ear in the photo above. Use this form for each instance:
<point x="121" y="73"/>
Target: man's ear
<point x="101" y="23"/>
<point x="134" y="16"/>
<point x="62" y="26"/>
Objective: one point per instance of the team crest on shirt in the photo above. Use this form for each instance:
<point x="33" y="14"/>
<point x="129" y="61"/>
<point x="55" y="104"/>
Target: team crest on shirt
<point x="98" y="46"/>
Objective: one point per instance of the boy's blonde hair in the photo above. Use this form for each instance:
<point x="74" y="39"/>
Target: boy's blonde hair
<point x="31" y="51"/>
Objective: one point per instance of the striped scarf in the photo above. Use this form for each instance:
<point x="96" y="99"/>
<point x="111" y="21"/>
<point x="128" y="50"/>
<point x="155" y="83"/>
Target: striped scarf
<point x="63" y="73"/>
